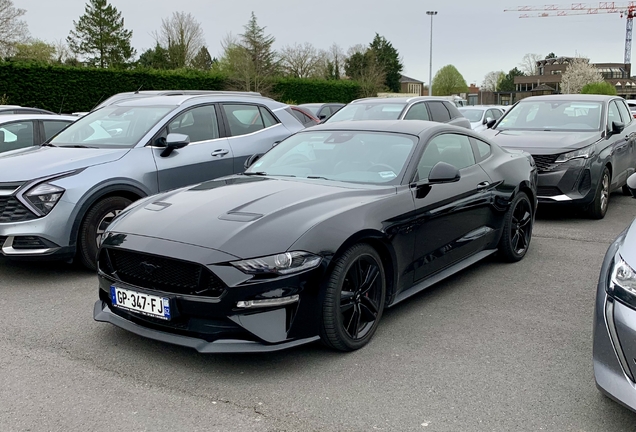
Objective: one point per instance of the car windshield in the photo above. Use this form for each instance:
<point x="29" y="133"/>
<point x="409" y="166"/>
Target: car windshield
<point x="111" y="127"/>
<point x="553" y="115"/>
<point x="473" y="115"/>
<point x="368" y="111"/>
<point x="348" y="156"/>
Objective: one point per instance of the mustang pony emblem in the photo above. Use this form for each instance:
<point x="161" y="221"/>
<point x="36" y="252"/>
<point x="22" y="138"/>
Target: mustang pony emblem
<point x="149" y="268"/>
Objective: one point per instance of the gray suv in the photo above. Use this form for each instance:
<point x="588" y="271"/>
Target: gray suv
<point x="56" y="200"/>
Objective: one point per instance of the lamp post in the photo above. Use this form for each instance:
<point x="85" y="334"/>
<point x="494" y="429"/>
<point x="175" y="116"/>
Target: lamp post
<point x="430" y="71"/>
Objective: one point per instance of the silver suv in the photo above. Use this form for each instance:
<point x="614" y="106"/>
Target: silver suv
<point x="56" y="200"/>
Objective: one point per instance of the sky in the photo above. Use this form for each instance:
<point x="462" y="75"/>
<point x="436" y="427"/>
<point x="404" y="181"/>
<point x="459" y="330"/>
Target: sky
<point x="475" y="36"/>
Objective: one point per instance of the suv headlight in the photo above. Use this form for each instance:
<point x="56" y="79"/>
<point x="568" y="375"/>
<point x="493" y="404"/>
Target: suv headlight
<point x="581" y="153"/>
<point x="44" y="197"/>
<point x="280" y="264"/>
<point x="622" y="283"/>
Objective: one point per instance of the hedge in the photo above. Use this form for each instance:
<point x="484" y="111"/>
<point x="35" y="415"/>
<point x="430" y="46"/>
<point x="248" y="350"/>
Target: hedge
<point x="71" y="89"/>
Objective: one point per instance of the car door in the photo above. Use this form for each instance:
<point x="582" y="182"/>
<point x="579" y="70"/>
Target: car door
<point x="451" y="218"/>
<point x="417" y="111"/>
<point x="251" y="129"/>
<point x="630" y="135"/>
<point x="207" y="156"/>
<point x="620" y="145"/>
<point x="17" y="134"/>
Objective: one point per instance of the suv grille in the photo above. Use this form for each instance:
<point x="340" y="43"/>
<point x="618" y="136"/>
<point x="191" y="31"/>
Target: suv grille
<point x="545" y="162"/>
<point x="160" y="273"/>
<point x="12" y="210"/>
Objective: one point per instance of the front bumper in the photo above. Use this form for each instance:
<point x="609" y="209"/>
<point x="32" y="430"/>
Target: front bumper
<point x="614" y="340"/>
<point x="572" y="182"/>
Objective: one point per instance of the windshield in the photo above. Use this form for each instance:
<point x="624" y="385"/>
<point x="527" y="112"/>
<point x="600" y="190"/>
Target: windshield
<point x="373" y="111"/>
<point x="349" y="156"/>
<point x="473" y="115"/>
<point x="111" y="127"/>
<point x="553" y="115"/>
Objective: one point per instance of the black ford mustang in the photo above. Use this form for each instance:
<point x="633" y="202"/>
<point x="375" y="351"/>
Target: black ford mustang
<point x="316" y="238"/>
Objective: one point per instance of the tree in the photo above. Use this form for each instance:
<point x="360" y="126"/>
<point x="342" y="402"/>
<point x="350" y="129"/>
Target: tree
<point x="35" y="50"/>
<point x="155" y="58"/>
<point x="529" y="64"/>
<point x="551" y="56"/>
<point x="12" y="29"/>
<point x="492" y="80"/>
<point x="332" y="64"/>
<point x="579" y="73"/>
<point x="602" y="88"/>
<point x="301" y="61"/>
<point x="388" y="59"/>
<point x="203" y="60"/>
<point x="62" y="51"/>
<point x="507" y="84"/>
<point x="182" y="37"/>
<point x="100" y="36"/>
<point x="449" y="81"/>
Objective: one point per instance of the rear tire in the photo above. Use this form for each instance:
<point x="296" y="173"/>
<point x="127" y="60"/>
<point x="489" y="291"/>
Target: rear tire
<point x="598" y="208"/>
<point x="100" y="215"/>
<point x="354" y="299"/>
<point x="517" y="230"/>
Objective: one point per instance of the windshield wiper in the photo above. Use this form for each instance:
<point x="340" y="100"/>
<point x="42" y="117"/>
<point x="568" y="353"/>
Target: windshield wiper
<point x="47" y="145"/>
<point x="317" y="178"/>
<point x="79" y="146"/>
<point x="256" y="173"/>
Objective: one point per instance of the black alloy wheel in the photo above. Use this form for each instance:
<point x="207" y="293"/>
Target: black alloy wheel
<point x="598" y="208"/>
<point x="354" y="299"/>
<point x="517" y="233"/>
<point x="95" y="223"/>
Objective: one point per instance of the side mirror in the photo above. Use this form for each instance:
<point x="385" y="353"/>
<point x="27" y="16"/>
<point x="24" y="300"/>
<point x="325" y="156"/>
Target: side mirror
<point x="491" y="123"/>
<point x="617" y="127"/>
<point x="322" y="117"/>
<point x="443" y="172"/>
<point x="631" y="184"/>
<point x="173" y="142"/>
<point x="275" y="144"/>
<point x="487" y="120"/>
<point x="250" y="160"/>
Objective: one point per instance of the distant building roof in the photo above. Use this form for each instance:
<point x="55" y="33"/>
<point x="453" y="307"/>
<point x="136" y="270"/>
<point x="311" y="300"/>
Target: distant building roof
<point x="543" y="87"/>
<point x="405" y="79"/>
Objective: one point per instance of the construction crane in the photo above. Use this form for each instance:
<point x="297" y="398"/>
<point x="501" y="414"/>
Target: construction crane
<point x="626" y="9"/>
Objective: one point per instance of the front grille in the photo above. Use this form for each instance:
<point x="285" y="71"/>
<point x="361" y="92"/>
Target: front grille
<point x="12" y="210"/>
<point x="548" y="191"/>
<point x="2" y="240"/>
<point x="160" y="273"/>
<point x="545" y="162"/>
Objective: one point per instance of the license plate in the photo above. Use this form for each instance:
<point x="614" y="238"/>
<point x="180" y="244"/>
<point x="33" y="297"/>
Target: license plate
<point x="145" y="304"/>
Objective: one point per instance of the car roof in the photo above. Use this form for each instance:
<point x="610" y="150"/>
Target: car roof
<point x="177" y="100"/>
<point x="571" y="97"/>
<point x="6" y="118"/>
<point x="405" y="99"/>
<point x="412" y="127"/>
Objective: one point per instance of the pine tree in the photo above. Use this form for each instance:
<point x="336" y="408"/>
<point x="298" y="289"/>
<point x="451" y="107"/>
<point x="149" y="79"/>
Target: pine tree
<point x="388" y="59"/>
<point x="100" y="36"/>
<point x="259" y="48"/>
<point x="203" y="60"/>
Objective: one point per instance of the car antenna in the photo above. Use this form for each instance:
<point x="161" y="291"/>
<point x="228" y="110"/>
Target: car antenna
<point x="137" y="92"/>
<point x="100" y="99"/>
<point x="62" y="105"/>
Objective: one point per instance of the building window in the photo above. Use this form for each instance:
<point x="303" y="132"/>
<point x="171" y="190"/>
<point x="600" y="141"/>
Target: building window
<point x="415" y="88"/>
<point x="556" y="72"/>
<point x="541" y="70"/>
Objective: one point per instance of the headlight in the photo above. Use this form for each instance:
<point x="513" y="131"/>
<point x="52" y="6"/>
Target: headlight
<point x="582" y="153"/>
<point x="622" y="284"/>
<point x="44" y="197"/>
<point x="281" y="264"/>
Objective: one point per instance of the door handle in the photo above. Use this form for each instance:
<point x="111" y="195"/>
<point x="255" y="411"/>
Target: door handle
<point x="483" y="185"/>
<point x="220" y="152"/>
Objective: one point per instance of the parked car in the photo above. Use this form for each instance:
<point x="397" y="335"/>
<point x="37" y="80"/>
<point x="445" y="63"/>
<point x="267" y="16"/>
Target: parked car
<point x="26" y="130"/>
<point x="315" y="238"/>
<point x="480" y="115"/>
<point x="56" y="200"/>
<point x="404" y="108"/>
<point x="583" y="146"/>
<point x="322" y="111"/>
<point x="632" y="107"/>
<point x="17" y="109"/>
<point x="615" y="318"/>
<point x="304" y="116"/>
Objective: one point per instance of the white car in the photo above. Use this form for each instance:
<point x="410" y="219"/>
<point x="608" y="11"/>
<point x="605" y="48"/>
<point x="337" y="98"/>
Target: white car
<point x="480" y="115"/>
<point x="632" y="107"/>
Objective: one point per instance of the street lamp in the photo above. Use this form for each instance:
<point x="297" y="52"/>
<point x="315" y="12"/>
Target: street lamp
<point x="430" y="71"/>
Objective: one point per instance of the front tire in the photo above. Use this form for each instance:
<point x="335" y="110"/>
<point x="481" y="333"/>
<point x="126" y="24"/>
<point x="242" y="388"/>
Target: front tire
<point x="598" y="208"/>
<point x="354" y="299"/>
<point x="517" y="230"/>
<point x="93" y="226"/>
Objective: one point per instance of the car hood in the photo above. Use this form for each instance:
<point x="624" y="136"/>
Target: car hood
<point x="542" y="142"/>
<point x="244" y="216"/>
<point x="37" y="162"/>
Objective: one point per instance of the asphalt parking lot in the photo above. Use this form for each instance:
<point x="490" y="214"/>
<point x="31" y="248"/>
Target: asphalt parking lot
<point x="496" y="348"/>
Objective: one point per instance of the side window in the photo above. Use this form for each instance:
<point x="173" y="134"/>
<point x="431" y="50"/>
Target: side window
<point x="439" y="112"/>
<point x="16" y="135"/>
<point x="199" y="123"/>
<point x="625" y="114"/>
<point x="300" y="116"/>
<point x="417" y="112"/>
<point x="51" y="128"/>
<point x="246" y="119"/>
<point x="497" y="114"/>
<point x="482" y="149"/>
<point x="453" y="149"/>
<point x="268" y="118"/>
<point x="613" y="114"/>
<point x="452" y="110"/>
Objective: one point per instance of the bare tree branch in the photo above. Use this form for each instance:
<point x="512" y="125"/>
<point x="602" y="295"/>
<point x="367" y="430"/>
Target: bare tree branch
<point x="579" y="73"/>
<point x="182" y="36"/>
<point x="300" y="61"/>
<point x="529" y="64"/>
<point x="12" y="29"/>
